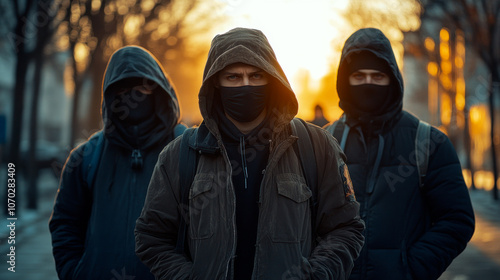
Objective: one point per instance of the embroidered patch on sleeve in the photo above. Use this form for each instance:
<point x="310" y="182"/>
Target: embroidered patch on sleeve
<point x="347" y="183"/>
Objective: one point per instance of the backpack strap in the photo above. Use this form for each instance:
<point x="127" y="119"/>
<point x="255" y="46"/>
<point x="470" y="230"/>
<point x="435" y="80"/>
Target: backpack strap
<point x="340" y="132"/>
<point x="331" y="128"/>
<point x="188" y="160"/>
<point x="179" y="129"/>
<point x="91" y="156"/>
<point x="422" y="141"/>
<point x="308" y="163"/>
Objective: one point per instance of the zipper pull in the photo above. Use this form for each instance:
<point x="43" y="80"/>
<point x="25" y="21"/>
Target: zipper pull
<point x="136" y="159"/>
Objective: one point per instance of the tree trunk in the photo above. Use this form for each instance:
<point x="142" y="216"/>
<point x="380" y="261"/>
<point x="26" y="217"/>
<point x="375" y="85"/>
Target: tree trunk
<point x="468" y="149"/>
<point x="75" y="124"/>
<point x="33" y="165"/>
<point x="494" y="90"/>
<point x="97" y="74"/>
<point x="17" y="115"/>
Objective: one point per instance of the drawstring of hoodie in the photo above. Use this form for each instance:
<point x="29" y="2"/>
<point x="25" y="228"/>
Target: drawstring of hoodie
<point x="380" y="150"/>
<point x="244" y="160"/>
<point x="373" y="177"/>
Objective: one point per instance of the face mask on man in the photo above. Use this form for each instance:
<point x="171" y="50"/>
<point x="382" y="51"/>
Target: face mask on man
<point x="244" y="104"/>
<point x="371" y="99"/>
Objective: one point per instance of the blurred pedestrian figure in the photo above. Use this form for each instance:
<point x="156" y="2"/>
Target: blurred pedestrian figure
<point x="406" y="174"/>
<point x="104" y="181"/>
<point x="319" y="118"/>
<point x="250" y="213"/>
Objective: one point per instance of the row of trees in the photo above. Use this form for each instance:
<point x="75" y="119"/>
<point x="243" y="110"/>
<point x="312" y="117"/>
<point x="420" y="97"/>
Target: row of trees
<point x="91" y="30"/>
<point x="480" y="23"/>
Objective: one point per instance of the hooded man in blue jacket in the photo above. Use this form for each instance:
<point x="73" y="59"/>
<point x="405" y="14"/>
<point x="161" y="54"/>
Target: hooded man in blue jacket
<point x="93" y="221"/>
<point x="416" y="224"/>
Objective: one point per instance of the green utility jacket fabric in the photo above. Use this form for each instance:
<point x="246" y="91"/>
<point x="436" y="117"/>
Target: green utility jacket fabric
<point x="285" y="248"/>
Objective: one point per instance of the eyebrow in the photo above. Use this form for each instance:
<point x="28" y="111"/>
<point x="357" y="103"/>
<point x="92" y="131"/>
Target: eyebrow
<point x="239" y="73"/>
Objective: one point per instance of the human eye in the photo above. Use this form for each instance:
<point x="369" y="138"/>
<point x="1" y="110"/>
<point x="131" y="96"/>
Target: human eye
<point x="358" y="76"/>
<point x="144" y="90"/>
<point x="257" y="76"/>
<point x="121" y="91"/>
<point x="232" y="77"/>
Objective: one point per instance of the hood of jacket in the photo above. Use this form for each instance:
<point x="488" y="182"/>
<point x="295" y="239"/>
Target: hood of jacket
<point x="136" y="62"/>
<point x="374" y="41"/>
<point x="249" y="46"/>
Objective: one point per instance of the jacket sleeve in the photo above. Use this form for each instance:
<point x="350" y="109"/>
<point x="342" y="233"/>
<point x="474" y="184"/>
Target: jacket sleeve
<point x="68" y="223"/>
<point x="156" y="228"/>
<point x="338" y="225"/>
<point x="451" y="213"/>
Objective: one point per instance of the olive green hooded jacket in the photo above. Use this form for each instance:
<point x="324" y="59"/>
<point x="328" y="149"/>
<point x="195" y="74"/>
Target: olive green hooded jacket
<point x="285" y="248"/>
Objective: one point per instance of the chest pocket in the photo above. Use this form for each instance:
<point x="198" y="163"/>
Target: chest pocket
<point x="291" y="221"/>
<point x="202" y="206"/>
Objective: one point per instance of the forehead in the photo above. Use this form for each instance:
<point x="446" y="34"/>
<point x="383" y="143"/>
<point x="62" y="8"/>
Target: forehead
<point x="369" y="71"/>
<point x="240" y="68"/>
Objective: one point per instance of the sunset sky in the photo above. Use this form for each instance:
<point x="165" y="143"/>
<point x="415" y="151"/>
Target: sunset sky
<point x="301" y="34"/>
<point x="307" y="38"/>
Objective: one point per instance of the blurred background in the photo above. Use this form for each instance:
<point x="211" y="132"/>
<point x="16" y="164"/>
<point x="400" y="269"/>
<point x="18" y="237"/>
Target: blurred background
<point x="53" y="55"/>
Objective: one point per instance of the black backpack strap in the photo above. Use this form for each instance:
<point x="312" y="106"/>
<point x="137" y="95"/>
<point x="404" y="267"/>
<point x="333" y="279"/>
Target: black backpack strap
<point x="422" y="142"/>
<point x="308" y="163"/>
<point x="91" y="156"/>
<point x="188" y="160"/>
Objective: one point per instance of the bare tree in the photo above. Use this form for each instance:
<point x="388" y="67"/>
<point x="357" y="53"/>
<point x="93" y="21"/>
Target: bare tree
<point x="45" y="24"/>
<point x="95" y="29"/>
<point x="480" y="22"/>
<point x="393" y="17"/>
<point x="19" y="39"/>
<point x="28" y="30"/>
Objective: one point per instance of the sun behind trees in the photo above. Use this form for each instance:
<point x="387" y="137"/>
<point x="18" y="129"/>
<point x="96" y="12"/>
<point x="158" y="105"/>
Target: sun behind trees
<point x="93" y="29"/>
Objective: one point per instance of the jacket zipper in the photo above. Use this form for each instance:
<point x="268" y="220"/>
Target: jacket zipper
<point x="265" y="171"/>
<point x="230" y="187"/>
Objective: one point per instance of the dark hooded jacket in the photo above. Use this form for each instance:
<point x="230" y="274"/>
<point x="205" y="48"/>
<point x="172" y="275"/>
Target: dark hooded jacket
<point x="284" y="247"/>
<point x="412" y="232"/>
<point x="92" y="224"/>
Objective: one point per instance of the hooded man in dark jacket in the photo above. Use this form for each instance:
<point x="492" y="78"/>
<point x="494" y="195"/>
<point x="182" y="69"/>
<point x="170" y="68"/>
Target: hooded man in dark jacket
<point x="93" y="221"/>
<point x="415" y="224"/>
<point x="249" y="213"/>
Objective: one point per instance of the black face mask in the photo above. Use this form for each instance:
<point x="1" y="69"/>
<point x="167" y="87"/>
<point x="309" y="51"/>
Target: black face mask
<point x="133" y="107"/>
<point x="371" y="99"/>
<point x="244" y="104"/>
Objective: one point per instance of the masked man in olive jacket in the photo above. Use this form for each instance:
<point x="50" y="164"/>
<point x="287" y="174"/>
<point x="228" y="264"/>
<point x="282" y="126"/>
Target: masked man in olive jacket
<point x="104" y="181"/>
<point x="249" y="213"/>
<point x="413" y="198"/>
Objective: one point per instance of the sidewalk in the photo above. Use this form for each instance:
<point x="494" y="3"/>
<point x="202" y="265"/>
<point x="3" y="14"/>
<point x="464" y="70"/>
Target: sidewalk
<point x="33" y="252"/>
<point x="34" y="261"/>
<point x="481" y="258"/>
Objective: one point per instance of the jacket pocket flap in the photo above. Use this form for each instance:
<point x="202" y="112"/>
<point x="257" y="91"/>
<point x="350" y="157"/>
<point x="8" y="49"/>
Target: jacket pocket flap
<point x="293" y="187"/>
<point x="202" y="183"/>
